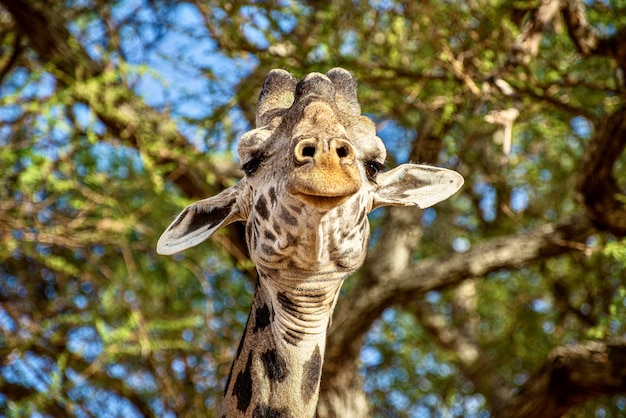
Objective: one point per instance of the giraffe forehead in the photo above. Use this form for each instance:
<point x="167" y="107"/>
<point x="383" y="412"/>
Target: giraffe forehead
<point x="318" y="118"/>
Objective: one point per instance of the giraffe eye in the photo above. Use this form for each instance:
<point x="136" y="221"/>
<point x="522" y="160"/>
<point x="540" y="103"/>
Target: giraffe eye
<point x="252" y="165"/>
<point x="372" y="168"/>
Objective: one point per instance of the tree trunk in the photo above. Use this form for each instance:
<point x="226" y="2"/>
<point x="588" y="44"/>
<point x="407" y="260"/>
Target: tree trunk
<point x="343" y="396"/>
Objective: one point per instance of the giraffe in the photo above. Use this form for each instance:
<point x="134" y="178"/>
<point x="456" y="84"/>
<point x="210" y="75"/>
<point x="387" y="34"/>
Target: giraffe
<point x="314" y="168"/>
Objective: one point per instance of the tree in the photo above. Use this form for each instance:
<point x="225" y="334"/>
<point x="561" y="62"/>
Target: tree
<point x="508" y="300"/>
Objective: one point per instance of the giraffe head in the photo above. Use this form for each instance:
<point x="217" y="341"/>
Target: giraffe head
<point x="314" y="168"/>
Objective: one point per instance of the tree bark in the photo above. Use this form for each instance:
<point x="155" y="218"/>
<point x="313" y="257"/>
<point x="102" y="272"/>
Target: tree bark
<point x="343" y="395"/>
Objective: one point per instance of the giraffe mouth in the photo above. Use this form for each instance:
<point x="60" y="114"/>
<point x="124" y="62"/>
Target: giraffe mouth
<point x="322" y="187"/>
<point x="321" y="202"/>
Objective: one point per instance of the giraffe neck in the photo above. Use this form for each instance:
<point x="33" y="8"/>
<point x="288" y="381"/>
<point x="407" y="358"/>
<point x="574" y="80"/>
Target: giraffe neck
<point x="277" y="369"/>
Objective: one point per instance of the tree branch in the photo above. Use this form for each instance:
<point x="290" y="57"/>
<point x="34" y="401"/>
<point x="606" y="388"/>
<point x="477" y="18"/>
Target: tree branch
<point x="605" y="202"/>
<point x="527" y="43"/>
<point x="570" y="376"/>
<point x="13" y="58"/>
<point x="586" y="37"/>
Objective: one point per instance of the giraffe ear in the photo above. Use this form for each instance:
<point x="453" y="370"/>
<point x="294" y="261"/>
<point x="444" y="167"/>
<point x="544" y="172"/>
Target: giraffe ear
<point x="198" y="221"/>
<point x="415" y="185"/>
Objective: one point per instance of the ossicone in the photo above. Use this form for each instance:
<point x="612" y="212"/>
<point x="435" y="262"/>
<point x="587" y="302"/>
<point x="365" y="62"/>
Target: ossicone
<point x="276" y="95"/>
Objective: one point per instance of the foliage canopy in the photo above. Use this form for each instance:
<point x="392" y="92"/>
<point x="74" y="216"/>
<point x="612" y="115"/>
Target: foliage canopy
<point x="114" y="115"/>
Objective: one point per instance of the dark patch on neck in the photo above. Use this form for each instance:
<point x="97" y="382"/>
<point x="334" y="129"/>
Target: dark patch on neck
<point x="267" y="234"/>
<point x="292" y="240"/>
<point x="361" y="217"/>
<point x="288" y="217"/>
<point x="242" y="389"/>
<point x="262" y="318"/>
<point x="249" y="235"/>
<point x="264" y="411"/>
<point x="296" y="209"/>
<point x="268" y="250"/>
<point x="275" y="365"/>
<point x="276" y="227"/>
<point x="292" y="337"/>
<point x="272" y="195"/>
<point x="311" y="374"/>
<point x="320" y="296"/>
<point x="288" y="305"/>
<point x="261" y="207"/>
<point x="267" y="273"/>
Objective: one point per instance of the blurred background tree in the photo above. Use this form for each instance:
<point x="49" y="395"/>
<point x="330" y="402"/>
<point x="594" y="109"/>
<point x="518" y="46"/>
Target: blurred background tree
<point x="506" y="301"/>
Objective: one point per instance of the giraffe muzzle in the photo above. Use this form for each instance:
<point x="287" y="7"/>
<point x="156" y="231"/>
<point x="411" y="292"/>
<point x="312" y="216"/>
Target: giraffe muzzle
<point x="325" y="172"/>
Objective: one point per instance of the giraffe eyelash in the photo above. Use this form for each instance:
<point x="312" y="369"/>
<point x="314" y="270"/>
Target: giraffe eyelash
<point x="252" y="165"/>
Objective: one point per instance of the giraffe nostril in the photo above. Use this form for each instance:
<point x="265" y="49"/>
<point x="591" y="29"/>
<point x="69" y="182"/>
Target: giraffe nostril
<point x="343" y="149"/>
<point x="308" y="151"/>
<point x="314" y="149"/>
<point x="342" y="152"/>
